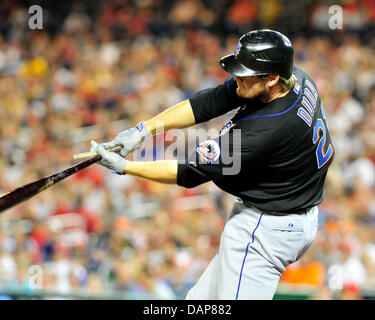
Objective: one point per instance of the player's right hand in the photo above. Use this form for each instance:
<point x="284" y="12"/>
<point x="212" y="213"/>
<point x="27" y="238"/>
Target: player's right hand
<point x="130" y="139"/>
<point x="110" y="160"/>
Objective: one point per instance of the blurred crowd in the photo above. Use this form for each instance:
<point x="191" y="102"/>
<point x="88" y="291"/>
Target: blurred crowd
<point x="93" y="71"/>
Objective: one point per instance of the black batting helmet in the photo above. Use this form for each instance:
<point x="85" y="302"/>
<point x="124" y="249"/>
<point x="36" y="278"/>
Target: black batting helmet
<point x="261" y="52"/>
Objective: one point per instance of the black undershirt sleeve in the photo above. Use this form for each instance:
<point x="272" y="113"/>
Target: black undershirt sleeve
<point x="214" y="102"/>
<point x="189" y="176"/>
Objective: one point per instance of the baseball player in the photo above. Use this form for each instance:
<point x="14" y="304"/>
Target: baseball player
<point x="280" y="138"/>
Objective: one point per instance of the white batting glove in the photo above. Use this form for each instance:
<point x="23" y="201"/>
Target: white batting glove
<point x="130" y="139"/>
<point x="110" y="160"/>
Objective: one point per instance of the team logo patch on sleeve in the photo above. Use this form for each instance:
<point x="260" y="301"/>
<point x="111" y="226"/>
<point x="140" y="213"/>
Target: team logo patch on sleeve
<point x="208" y="151"/>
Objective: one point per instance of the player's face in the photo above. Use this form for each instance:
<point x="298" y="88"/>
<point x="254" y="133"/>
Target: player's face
<point x="251" y="87"/>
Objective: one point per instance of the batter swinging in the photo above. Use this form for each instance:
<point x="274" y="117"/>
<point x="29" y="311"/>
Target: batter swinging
<point x="284" y="148"/>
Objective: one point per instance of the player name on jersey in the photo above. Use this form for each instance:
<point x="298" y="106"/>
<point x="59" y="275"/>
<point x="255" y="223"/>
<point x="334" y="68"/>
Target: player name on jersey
<point x="309" y="99"/>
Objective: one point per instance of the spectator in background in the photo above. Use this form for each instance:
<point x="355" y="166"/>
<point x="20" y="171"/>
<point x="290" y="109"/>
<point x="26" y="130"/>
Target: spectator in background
<point x="350" y="291"/>
<point x="242" y="16"/>
<point x="308" y="272"/>
<point x="8" y="268"/>
<point x="352" y="269"/>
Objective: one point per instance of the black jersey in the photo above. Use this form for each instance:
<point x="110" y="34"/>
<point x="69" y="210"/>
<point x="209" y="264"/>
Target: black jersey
<point x="274" y="156"/>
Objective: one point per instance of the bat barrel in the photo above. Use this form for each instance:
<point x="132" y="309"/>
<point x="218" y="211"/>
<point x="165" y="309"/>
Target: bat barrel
<point x="29" y="190"/>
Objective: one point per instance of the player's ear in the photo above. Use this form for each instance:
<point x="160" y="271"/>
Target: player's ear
<point x="272" y="80"/>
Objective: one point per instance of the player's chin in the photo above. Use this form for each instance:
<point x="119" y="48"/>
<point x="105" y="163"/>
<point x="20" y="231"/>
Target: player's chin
<point x="242" y="93"/>
<point x="247" y="94"/>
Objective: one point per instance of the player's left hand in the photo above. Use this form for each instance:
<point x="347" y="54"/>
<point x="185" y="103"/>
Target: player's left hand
<point x="130" y="139"/>
<point x="110" y="160"/>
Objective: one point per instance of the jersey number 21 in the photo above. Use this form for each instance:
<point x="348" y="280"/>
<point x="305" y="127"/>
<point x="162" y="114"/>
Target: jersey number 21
<point x="319" y="138"/>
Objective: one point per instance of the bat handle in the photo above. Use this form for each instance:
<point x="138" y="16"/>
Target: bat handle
<point x="94" y="153"/>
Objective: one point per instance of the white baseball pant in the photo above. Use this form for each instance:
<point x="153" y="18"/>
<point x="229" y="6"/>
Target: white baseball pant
<point x="255" y="248"/>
